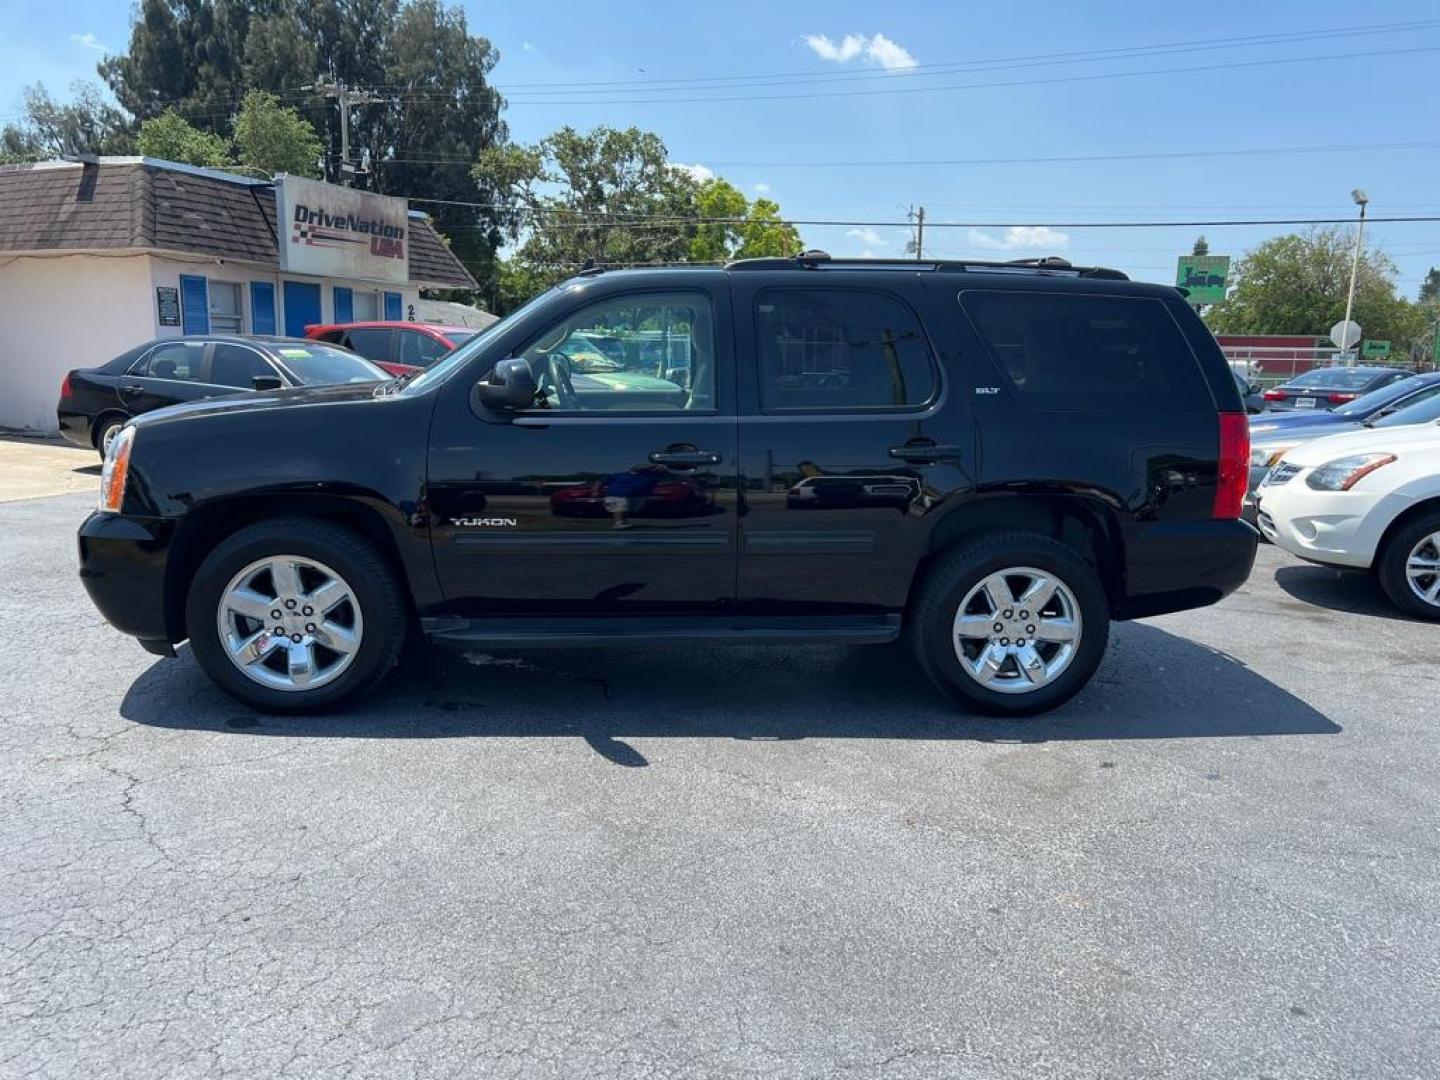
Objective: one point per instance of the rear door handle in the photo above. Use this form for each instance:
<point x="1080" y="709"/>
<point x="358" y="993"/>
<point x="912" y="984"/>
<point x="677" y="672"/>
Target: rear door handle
<point x="685" y="459"/>
<point x="131" y="388"/>
<point x="924" y="453"/>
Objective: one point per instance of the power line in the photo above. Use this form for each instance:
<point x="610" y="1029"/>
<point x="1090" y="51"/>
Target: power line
<point x="1056" y="80"/>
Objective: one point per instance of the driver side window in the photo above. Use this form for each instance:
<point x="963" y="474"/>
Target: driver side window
<point x="650" y="352"/>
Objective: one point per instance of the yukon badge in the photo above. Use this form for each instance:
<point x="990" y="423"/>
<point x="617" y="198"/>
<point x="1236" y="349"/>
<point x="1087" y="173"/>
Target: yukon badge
<point x="987" y="390"/>
<point x="484" y="522"/>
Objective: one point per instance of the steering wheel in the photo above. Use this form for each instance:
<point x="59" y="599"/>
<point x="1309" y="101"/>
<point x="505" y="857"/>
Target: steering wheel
<point x="558" y="368"/>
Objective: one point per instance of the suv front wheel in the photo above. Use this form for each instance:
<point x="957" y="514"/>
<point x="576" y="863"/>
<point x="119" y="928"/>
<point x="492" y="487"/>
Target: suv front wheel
<point x="1012" y="624"/>
<point x="295" y="615"/>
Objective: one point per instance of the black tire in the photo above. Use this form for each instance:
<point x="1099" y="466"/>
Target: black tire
<point x="950" y="580"/>
<point x="1390" y="567"/>
<point x="97" y="433"/>
<point x="372" y="581"/>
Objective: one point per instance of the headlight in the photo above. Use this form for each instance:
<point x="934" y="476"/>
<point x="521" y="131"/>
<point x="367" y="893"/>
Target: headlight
<point x="1344" y="473"/>
<point x="116" y="472"/>
<point x="1264" y="456"/>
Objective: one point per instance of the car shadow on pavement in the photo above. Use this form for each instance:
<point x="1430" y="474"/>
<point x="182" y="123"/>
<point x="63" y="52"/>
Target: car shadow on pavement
<point x="1152" y="685"/>
<point x="1351" y="591"/>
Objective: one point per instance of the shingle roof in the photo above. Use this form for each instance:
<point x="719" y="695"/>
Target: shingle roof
<point x="142" y="203"/>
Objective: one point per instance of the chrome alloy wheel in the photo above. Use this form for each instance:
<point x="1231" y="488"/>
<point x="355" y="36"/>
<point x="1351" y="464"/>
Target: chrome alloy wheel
<point x="1017" y="630"/>
<point x="108" y="437"/>
<point x="290" y="623"/>
<point x="1422" y="569"/>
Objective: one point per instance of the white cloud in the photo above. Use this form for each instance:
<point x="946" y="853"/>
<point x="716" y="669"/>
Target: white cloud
<point x="1020" y="236"/>
<point x="877" y="50"/>
<point x="762" y="188"/>
<point x="866" y="254"/>
<point x="525" y="46"/>
<point x="698" y="173"/>
<point x="88" y="40"/>
<point x="867" y="236"/>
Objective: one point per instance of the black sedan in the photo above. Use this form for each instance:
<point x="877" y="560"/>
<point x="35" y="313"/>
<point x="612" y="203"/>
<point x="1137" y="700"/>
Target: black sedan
<point x="95" y="403"/>
<point x="1324" y="388"/>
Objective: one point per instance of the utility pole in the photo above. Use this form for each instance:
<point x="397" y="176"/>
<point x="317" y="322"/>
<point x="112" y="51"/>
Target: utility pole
<point x="1361" y="200"/>
<point x="918" y="244"/>
<point x="345" y="97"/>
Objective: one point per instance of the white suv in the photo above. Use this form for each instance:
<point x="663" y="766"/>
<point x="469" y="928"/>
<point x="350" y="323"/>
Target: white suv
<point x="1367" y="500"/>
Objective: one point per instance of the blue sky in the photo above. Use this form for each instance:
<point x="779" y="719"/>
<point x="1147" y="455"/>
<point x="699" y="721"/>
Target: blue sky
<point x="888" y="104"/>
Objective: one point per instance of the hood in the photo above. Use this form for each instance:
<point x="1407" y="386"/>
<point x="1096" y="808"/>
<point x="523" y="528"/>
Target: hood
<point x="1417" y="438"/>
<point x="1294" y="436"/>
<point x="295" y="397"/>
<point x="1266" y="423"/>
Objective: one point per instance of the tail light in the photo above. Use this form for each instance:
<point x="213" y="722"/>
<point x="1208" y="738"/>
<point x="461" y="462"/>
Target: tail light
<point x="65" y="391"/>
<point x="1338" y="398"/>
<point x="1274" y="395"/>
<point x="1232" y="476"/>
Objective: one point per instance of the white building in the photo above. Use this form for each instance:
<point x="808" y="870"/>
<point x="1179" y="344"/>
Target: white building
<point x="99" y="256"/>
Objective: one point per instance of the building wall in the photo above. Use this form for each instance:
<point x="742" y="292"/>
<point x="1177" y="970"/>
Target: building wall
<point x="80" y="310"/>
<point x="58" y="313"/>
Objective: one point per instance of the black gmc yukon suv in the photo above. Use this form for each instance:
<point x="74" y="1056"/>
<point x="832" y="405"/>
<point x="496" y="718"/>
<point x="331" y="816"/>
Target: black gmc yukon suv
<point x="994" y="460"/>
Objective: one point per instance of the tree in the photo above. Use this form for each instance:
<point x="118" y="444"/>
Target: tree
<point x="168" y="136"/>
<point x="717" y="241"/>
<point x="609" y="195"/>
<point x="1297" y="284"/>
<point x="1430" y="287"/>
<point x="766" y="234"/>
<point x="274" y="139"/>
<point x="87" y="124"/>
<point x="1202" y="246"/>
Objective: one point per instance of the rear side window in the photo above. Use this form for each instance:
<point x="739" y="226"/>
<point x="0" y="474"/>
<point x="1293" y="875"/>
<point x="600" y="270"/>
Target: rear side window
<point x="373" y="343"/>
<point x="1077" y="353"/>
<point x="178" y="361"/>
<point x="235" y="365"/>
<point x="419" y="348"/>
<point x="828" y="350"/>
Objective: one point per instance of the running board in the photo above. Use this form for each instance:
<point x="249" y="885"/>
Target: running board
<point x="527" y="633"/>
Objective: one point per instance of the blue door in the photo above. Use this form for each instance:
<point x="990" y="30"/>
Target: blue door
<point x="344" y="305"/>
<point x="302" y="307"/>
<point x="262" y="307"/>
<point x="392" y="306"/>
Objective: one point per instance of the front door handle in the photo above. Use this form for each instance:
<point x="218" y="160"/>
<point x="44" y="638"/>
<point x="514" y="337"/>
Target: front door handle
<point x="924" y="453"/>
<point x="685" y="459"/>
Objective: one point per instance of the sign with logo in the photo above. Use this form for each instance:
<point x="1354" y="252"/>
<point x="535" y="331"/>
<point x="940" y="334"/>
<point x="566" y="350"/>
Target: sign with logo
<point x="1205" y="276"/>
<point x="1375" y="350"/>
<point x="167" y="303"/>
<point x="332" y="231"/>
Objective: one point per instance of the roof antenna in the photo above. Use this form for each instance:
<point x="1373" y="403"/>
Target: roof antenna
<point x="589" y="265"/>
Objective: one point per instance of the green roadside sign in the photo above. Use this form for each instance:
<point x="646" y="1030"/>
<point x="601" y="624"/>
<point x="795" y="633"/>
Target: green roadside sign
<point x="1375" y="350"/>
<point x="1205" y="276"/>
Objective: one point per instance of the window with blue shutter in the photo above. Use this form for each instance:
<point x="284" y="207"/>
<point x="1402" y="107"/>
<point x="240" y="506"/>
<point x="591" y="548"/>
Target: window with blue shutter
<point x="393" y="306"/>
<point x="344" y="305"/>
<point x="262" y="307"/>
<point x="194" y="304"/>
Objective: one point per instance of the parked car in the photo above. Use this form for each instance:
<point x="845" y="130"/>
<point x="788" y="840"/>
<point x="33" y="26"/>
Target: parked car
<point x="1325" y="388"/>
<point x="401" y="348"/>
<point x="95" y="403"/>
<point x="1367" y="500"/>
<point x="1415" y="400"/>
<point x="1051" y="461"/>
<point x="1251" y="393"/>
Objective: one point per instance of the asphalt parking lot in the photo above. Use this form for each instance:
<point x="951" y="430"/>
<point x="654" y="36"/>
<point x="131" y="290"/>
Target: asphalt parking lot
<point x="1221" y="860"/>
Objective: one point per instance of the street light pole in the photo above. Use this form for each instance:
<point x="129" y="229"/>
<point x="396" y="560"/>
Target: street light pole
<point x="1361" y="200"/>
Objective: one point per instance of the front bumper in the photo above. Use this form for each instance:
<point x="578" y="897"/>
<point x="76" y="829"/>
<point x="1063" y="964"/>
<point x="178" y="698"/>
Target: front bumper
<point x="1336" y="528"/>
<point x="1176" y="565"/>
<point x="123" y="562"/>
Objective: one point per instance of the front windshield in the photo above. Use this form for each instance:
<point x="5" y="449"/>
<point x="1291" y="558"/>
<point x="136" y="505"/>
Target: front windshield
<point x="437" y="372"/>
<point x="1365" y="404"/>
<point x="1422" y="412"/>
<point x="324" y="365"/>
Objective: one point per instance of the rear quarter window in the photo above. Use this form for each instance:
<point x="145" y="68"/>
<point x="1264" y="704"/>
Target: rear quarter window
<point x="1084" y="353"/>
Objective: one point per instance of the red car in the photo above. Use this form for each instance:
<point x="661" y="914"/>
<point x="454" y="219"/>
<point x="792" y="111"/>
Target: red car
<point x="401" y="348"/>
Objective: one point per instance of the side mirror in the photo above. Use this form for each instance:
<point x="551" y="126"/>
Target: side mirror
<point x="265" y="382"/>
<point x="510" y="385"/>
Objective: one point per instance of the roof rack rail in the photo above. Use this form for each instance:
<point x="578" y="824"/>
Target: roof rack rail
<point x="813" y="260"/>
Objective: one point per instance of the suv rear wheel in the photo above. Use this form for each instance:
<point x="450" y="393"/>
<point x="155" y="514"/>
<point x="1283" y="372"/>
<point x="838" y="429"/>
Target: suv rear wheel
<point x="1012" y="624"/>
<point x="1409" y="567"/>
<point x="295" y="615"/>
